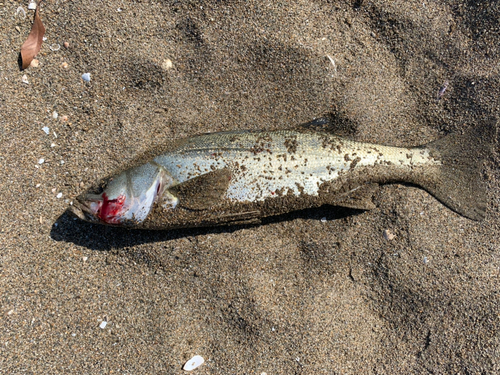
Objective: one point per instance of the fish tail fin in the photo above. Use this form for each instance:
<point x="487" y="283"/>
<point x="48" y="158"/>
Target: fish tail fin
<point x="458" y="182"/>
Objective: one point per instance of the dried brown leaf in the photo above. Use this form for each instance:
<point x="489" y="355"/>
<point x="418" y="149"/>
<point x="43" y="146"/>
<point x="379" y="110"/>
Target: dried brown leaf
<point x="32" y="45"/>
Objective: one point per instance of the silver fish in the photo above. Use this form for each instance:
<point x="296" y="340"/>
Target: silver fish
<point x="241" y="177"/>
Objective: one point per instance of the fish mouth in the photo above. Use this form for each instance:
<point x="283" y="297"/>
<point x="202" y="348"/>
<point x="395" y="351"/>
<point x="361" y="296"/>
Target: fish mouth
<point x="82" y="210"/>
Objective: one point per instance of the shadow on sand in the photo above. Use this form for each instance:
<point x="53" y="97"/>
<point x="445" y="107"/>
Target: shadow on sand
<point x="67" y="228"/>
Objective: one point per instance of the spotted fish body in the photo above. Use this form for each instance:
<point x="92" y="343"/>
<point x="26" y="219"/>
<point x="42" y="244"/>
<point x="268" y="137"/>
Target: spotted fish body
<point x="290" y="162"/>
<point x="241" y="177"/>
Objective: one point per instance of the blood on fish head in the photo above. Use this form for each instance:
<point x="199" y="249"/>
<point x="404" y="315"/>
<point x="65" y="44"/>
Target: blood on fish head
<point x="109" y="210"/>
<point x="125" y="199"/>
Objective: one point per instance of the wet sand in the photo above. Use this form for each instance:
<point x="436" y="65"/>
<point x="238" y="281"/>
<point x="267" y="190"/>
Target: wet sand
<point x="320" y="291"/>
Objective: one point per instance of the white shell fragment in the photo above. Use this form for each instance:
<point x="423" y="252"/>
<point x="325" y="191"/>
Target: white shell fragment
<point x="55" y="115"/>
<point x="388" y="235"/>
<point x="333" y="63"/>
<point x="167" y="64"/>
<point x="103" y="324"/>
<point x="86" y="77"/>
<point x="41" y="161"/>
<point x="20" y="11"/>
<point x="60" y="196"/>
<point x="46" y="130"/>
<point x="32" y="5"/>
<point x="193" y="363"/>
<point x="24" y="79"/>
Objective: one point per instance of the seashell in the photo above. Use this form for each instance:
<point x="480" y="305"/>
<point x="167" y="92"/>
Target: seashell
<point x="193" y="363"/>
<point x="86" y="77"/>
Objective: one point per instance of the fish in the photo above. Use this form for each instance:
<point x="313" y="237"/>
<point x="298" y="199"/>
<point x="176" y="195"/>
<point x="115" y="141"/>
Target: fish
<point x="240" y="177"/>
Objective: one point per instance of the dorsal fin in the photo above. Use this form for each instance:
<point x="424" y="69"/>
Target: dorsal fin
<point x="333" y="123"/>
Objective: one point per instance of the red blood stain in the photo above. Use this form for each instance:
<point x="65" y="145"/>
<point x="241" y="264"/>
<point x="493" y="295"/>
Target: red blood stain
<point x="109" y="209"/>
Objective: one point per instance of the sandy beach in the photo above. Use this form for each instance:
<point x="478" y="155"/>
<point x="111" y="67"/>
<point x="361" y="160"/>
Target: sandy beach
<point x="409" y="287"/>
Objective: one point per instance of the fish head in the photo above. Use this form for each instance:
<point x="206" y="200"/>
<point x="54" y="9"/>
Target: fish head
<point x="126" y="198"/>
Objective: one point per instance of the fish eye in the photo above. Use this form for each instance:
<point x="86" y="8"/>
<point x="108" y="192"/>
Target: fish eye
<point x="99" y="188"/>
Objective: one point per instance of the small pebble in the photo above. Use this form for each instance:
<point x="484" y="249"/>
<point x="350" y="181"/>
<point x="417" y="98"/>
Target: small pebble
<point x="62" y="162"/>
<point x="41" y="160"/>
<point x="323" y="219"/>
<point x="85" y="259"/>
<point x="426" y="260"/>
<point x="38" y="185"/>
<point x="103" y="324"/>
<point x="193" y="363"/>
<point x="55" y="115"/>
<point x="54" y="190"/>
<point x="73" y="334"/>
<point x="64" y="65"/>
<point x="86" y="77"/>
<point x="388" y="235"/>
<point x="25" y="79"/>
<point x="52" y="145"/>
<point x="66" y="45"/>
<point x="34" y="63"/>
<point x="46" y="130"/>
<point x="55" y="47"/>
<point x="59" y="195"/>
<point x="167" y="64"/>
<point x="64" y="118"/>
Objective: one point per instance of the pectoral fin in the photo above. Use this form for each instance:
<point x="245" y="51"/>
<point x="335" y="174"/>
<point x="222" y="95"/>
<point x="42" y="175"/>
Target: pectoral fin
<point x="202" y="192"/>
<point x="360" y="198"/>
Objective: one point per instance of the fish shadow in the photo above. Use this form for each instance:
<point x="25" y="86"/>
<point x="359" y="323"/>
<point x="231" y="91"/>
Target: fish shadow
<point x="99" y="237"/>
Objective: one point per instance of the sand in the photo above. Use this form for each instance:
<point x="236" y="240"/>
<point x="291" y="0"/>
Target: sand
<point x="321" y="291"/>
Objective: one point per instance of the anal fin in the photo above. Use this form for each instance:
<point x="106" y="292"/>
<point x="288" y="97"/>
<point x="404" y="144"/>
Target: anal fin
<point x="241" y="218"/>
<point x="360" y="197"/>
